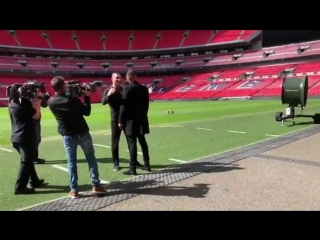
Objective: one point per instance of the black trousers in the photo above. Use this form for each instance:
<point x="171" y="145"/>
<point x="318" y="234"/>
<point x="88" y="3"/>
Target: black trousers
<point x="27" y="169"/>
<point x="38" y="137"/>
<point x="132" y="144"/>
<point x="115" y="139"/>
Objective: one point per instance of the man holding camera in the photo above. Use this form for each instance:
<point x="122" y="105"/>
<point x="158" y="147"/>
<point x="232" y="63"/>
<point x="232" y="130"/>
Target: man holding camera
<point x="74" y="129"/>
<point x="113" y="97"/>
<point x="23" y="139"/>
<point x="133" y="119"/>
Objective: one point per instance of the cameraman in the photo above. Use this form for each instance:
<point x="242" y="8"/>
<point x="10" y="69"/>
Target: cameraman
<point x="37" y="104"/>
<point x="74" y="129"/>
<point x="23" y="139"/>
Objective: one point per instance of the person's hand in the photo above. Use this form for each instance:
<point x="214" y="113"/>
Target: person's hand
<point x="111" y="91"/>
<point x="120" y="126"/>
<point x="87" y="93"/>
<point x="39" y="96"/>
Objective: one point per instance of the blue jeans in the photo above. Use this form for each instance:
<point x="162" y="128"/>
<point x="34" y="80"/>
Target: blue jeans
<point x="71" y="144"/>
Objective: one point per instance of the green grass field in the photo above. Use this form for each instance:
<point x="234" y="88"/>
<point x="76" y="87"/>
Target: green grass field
<point x="195" y="130"/>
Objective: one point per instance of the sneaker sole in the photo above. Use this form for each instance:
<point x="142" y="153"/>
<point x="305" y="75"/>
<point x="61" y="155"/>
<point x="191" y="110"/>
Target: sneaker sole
<point x="98" y="193"/>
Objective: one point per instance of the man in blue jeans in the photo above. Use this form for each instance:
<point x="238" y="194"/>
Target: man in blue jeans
<point x="69" y="112"/>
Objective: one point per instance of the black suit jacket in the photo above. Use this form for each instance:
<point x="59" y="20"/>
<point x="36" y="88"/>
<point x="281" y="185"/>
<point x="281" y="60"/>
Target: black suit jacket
<point x="134" y="109"/>
<point x="22" y="124"/>
<point x="114" y="102"/>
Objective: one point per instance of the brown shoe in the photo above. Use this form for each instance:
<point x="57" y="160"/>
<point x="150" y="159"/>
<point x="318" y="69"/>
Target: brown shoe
<point x="98" y="190"/>
<point x="74" y="194"/>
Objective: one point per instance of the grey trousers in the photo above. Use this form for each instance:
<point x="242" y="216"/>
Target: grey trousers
<point x="38" y="137"/>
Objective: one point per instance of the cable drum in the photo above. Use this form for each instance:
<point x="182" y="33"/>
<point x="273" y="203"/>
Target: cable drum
<point x="295" y="91"/>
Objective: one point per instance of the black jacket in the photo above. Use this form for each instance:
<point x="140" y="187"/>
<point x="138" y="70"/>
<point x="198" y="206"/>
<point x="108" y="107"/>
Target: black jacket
<point x="134" y="109"/>
<point x="69" y="114"/>
<point x="22" y="124"/>
<point x="114" y="102"/>
<point x="44" y="103"/>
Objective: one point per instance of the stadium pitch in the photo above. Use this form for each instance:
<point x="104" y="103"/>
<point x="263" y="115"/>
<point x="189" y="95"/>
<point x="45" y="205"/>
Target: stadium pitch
<point x="196" y="129"/>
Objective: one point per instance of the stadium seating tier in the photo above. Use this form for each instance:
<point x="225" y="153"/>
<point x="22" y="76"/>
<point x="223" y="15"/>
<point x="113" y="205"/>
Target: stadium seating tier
<point x="263" y="80"/>
<point x="121" y="40"/>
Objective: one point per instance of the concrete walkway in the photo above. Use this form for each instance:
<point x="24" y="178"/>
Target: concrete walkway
<point x="285" y="178"/>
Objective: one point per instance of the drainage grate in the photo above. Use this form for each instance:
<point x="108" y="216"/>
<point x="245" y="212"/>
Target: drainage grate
<point x="124" y="190"/>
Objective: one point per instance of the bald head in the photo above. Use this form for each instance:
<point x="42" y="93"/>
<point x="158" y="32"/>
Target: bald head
<point x="131" y="75"/>
<point x="116" y="79"/>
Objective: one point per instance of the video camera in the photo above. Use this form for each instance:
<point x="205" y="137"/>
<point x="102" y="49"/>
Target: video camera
<point x="74" y="88"/>
<point x="27" y="90"/>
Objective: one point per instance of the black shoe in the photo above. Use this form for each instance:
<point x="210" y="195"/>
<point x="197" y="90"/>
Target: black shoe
<point x="24" y="191"/>
<point x="138" y="164"/>
<point x="37" y="184"/>
<point x="116" y="168"/>
<point x="146" y="167"/>
<point x="131" y="171"/>
<point x="39" y="161"/>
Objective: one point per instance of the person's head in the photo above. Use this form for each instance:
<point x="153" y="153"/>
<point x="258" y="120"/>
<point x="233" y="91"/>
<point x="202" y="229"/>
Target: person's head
<point x="13" y="92"/>
<point x="116" y="79"/>
<point x="58" y="84"/>
<point x="131" y="75"/>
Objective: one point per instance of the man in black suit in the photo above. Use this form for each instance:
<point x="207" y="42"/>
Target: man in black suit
<point x="133" y="119"/>
<point x="23" y="139"/>
<point x="113" y="97"/>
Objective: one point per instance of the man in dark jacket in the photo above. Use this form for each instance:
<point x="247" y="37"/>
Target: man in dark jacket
<point x="133" y="119"/>
<point x="23" y="139"/>
<point x="113" y="97"/>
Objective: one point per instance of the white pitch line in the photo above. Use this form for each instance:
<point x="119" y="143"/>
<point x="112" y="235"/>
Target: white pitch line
<point x="58" y="137"/>
<point x="230" y="131"/>
<point x="271" y="135"/>
<point x="140" y="153"/>
<point x="99" y="145"/>
<point x="209" y="129"/>
<point x="193" y="160"/>
<point x="167" y="126"/>
<point x="66" y="170"/>
<point x="107" y="134"/>
<point x="60" y="167"/>
<point x="177" y="160"/>
<point x="6" y="149"/>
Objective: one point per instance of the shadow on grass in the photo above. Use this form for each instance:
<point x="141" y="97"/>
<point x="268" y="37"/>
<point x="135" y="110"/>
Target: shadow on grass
<point x="124" y="163"/>
<point x="302" y="124"/>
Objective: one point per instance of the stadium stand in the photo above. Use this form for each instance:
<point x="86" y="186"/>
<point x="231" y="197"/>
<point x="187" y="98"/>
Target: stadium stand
<point x="273" y="90"/>
<point x="197" y="37"/>
<point x="144" y="64"/>
<point x="119" y="39"/>
<point x="205" y="85"/>
<point x="92" y="41"/>
<point x="228" y="76"/>
<point x="271" y="70"/>
<point x="61" y="39"/>
<point x="32" y="39"/>
<point x="143" y="39"/>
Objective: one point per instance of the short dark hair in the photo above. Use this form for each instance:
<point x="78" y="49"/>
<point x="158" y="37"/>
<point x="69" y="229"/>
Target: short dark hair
<point x="131" y="72"/>
<point x="57" y="83"/>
